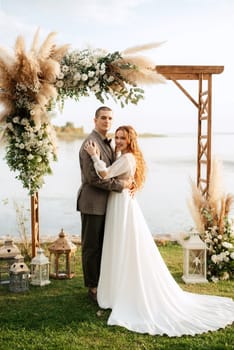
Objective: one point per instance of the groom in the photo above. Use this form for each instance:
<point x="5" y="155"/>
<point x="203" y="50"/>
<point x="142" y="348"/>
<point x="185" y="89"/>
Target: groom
<point x="92" y="199"/>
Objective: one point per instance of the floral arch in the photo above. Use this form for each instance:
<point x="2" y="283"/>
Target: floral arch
<point x="33" y="82"/>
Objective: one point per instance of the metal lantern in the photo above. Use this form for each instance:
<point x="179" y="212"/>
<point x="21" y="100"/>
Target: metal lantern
<point x="19" y="275"/>
<point x="62" y="257"/>
<point x="7" y="257"/>
<point x="194" y="260"/>
<point x="40" y="269"/>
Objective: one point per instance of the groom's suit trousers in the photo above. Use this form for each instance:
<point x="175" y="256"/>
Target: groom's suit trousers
<point x="92" y="238"/>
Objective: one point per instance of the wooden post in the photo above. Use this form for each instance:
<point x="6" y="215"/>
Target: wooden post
<point x="204" y="135"/>
<point x="35" y="223"/>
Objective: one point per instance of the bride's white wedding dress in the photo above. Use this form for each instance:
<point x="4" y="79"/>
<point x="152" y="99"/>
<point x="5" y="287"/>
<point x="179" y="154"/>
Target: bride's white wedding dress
<point x="135" y="282"/>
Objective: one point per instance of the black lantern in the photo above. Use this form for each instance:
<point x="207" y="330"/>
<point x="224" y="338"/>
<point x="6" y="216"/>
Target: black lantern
<point x="19" y="275"/>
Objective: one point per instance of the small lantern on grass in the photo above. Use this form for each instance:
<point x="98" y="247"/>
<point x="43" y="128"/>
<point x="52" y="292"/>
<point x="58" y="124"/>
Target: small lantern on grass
<point x="40" y="269"/>
<point x="19" y="275"/>
<point x="194" y="269"/>
<point x="62" y="257"/>
<point x="7" y="257"/>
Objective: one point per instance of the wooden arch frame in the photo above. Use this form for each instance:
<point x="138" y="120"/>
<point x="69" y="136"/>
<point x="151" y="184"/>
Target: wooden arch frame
<point x="202" y="74"/>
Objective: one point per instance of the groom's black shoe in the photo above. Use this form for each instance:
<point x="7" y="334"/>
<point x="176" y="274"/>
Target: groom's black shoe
<point x="92" y="295"/>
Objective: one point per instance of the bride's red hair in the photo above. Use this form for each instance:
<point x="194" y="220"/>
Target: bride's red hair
<point x="133" y="147"/>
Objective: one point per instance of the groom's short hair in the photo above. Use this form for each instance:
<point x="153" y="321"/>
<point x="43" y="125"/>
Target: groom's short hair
<point x="102" y="108"/>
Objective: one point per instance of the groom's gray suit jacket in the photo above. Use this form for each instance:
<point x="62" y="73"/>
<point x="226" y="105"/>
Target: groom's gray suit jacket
<point x="93" y="192"/>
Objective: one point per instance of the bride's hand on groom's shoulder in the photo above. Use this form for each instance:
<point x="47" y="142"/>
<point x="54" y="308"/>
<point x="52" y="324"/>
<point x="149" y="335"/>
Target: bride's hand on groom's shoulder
<point x="91" y="148"/>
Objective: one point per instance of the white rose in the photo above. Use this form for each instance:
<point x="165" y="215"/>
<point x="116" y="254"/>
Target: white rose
<point x="77" y="76"/>
<point x="95" y="88"/>
<point x="232" y="255"/>
<point x="84" y="77"/>
<point x="21" y="146"/>
<point x="91" y="82"/>
<point x="16" y="119"/>
<point x="227" y="245"/>
<point x="103" y="66"/>
<point x="10" y="126"/>
<point x="64" y="69"/>
<point x="110" y="79"/>
<point x="61" y="75"/>
<point x="91" y="73"/>
<point x="214" y="258"/>
<point x="59" y="83"/>
<point x="30" y="157"/>
<point x="24" y="121"/>
<point x="220" y="237"/>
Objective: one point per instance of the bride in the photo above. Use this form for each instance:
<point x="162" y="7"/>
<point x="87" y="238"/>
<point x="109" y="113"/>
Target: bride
<point x="135" y="282"/>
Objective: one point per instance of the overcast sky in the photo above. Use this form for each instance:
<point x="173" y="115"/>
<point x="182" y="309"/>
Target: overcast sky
<point x="197" y="32"/>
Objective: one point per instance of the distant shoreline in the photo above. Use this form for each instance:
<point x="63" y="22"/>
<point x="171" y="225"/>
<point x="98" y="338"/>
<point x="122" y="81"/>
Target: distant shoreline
<point x="72" y="133"/>
<point x="69" y="132"/>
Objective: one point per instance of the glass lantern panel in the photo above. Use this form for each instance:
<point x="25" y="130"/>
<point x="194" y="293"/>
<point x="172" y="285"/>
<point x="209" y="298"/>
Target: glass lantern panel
<point x="73" y="264"/>
<point x="196" y="262"/>
<point x="53" y="264"/>
<point x="40" y="272"/>
<point x="18" y="282"/>
<point x="63" y="265"/>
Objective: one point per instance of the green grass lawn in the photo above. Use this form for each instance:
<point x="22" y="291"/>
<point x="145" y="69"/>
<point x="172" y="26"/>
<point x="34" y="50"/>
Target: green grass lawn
<point x="60" y="316"/>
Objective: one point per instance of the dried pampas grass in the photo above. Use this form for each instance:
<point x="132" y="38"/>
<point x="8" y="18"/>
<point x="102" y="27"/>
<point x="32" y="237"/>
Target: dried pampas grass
<point x="214" y="209"/>
<point x="140" y="48"/>
<point x="195" y="204"/>
<point x="31" y="75"/>
<point x="145" y="69"/>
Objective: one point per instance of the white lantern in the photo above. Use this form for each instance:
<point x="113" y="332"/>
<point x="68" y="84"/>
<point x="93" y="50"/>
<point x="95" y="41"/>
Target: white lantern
<point x="194" y="269"/>
<point x="40" y="269"/>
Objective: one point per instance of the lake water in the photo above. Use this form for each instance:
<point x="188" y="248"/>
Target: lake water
<point x="171" y="161"/>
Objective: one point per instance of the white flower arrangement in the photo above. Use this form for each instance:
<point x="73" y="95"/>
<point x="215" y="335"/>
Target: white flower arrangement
<point x="29" y="151"/>
<point x="220" y="250"/>
<point x="97" y="72"/>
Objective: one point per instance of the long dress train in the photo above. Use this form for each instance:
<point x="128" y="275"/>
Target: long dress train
<point x="136" y="283"/>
